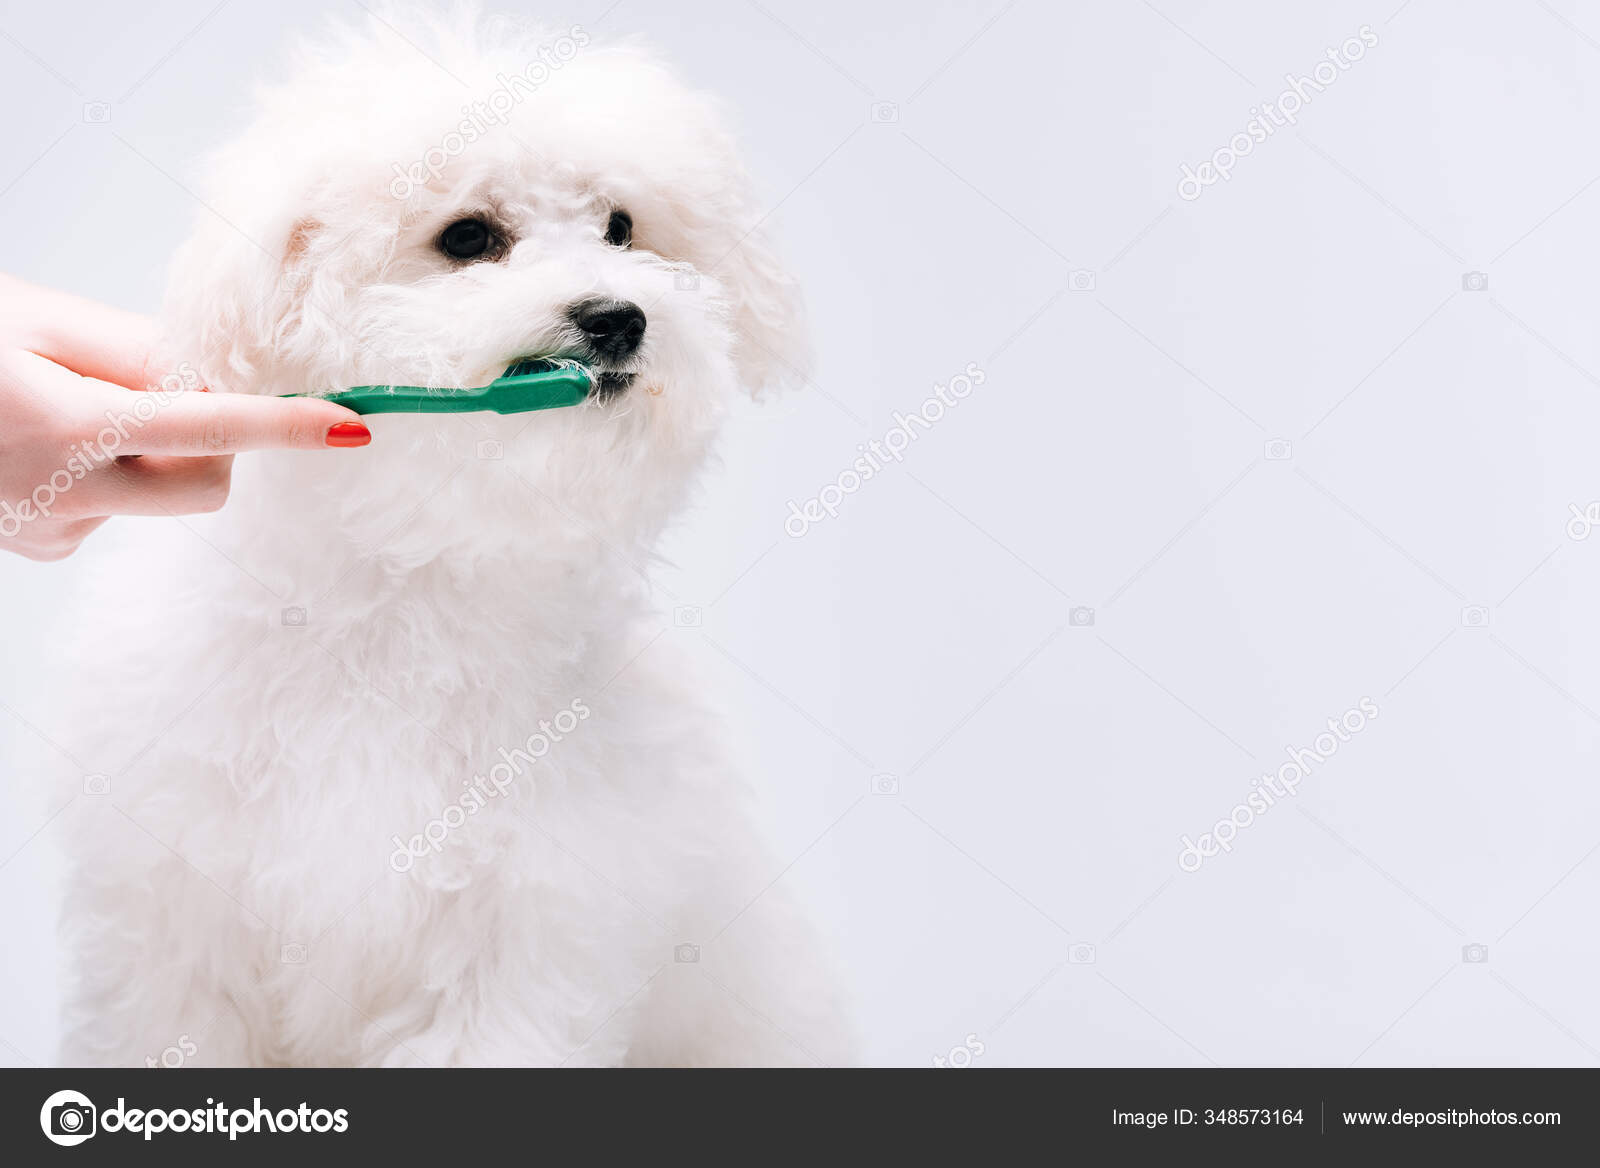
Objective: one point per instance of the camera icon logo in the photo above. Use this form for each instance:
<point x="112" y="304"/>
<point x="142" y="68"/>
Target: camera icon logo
<point x="491" y="448"/>
<point x="1081" y="954"/>
<point x="97" y="784"/>
<point x="884" y="785"/>
<point x="686" y="954"/>
<point x="1475" y="954"/>
<point x="1081" y="617"/>
<point x="686" y="616"/>
<point x="293" y="953"/>
<point x="1475" y="282"/>
<point x="1278" y="450"/>
<point x="1081" y="281"/>
<point x="294" y="617"/>
<point x="67" y="1118"/>
<point x="686" y="282"/>
<point x="883" y="113"/>
<point x="96" y="113"/>
<point x="1475" y="616"/>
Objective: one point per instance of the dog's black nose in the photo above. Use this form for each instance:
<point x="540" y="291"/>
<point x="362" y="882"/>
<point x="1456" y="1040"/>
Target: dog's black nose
<point x="613" y="328"/>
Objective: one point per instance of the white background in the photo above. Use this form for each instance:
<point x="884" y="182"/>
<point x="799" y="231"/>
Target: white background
<point x="1114" y="459"/>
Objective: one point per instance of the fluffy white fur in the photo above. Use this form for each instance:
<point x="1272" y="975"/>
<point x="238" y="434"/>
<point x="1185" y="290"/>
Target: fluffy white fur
<point x="259" y="771"/>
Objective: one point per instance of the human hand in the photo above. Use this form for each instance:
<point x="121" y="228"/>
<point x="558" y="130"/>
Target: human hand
<point x="90" y="428"/>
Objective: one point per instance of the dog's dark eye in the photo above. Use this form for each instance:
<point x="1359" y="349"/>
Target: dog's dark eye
<point x="466" y="239"/>
<point x="619" y="231"/>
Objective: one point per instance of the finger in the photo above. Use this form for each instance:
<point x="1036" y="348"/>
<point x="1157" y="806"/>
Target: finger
<point x="189" y="424"/>
<point x="152" y="486"/>
<point x="78" y="530"/>
<point x="93" y="339"/>
<point x="54" y="540"/>
<point x="192" y="424"/>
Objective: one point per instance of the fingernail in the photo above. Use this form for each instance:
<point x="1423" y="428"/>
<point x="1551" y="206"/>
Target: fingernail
<point x="349" y="434"/>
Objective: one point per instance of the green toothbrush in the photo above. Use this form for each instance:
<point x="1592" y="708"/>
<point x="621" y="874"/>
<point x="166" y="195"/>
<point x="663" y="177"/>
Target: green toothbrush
<point x="536" y="383"/>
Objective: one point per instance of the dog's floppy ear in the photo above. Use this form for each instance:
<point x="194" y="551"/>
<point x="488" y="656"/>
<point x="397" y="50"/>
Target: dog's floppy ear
<point x="772" y="348"/>
<point x="228" y="291"/>
<point x="245" y="297"/>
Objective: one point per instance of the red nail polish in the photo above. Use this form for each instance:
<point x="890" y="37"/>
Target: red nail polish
<point x="349" y="434"/>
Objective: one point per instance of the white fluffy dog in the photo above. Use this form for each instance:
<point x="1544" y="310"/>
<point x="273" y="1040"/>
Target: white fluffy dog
<point x="400" y="770"/>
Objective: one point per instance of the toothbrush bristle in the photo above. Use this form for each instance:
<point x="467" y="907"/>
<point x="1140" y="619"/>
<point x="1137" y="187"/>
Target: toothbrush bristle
<point x="531" y="365"/>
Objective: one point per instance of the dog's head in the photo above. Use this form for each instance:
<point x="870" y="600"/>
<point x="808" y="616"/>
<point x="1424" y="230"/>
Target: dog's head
<point x="424" y="203"/>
